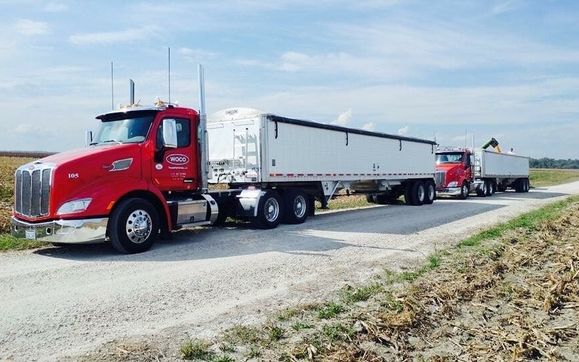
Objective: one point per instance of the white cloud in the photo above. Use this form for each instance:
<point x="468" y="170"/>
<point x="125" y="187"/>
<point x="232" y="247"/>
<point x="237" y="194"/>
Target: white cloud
<point x="343" y="118"/>
<point x="55" y="7"/>
<point x="196" y="55"/>
<point x="31" y="27"/>
<point x="504" y="6"/>
<point x="114" y="37"/>
<point x="370" y="126"/>
<point x="403" y="131"/>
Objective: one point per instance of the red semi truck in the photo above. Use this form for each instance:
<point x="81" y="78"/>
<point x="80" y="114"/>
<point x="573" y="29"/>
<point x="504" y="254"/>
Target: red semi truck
<point x="146" y="174"/>
<point x="461" y="171"/>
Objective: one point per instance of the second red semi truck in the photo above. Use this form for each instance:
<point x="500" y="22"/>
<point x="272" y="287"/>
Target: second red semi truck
<point x="461" y="171"/>
<point x="146" y="173"/>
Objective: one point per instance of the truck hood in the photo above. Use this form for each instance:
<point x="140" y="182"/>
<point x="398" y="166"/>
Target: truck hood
<point x="448" y="167"/>
<point x="82" y="173"/>
<point x="93" y="152"/>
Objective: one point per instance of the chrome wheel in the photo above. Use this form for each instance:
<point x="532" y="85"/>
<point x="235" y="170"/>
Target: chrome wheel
<point x="464" y="190"/>
<point x="139" y="226"/>
<point x="299" y="206"/>
<point x="431" y="192"/>
<point x="420" y="193"/>
<point x="271" y="209"/>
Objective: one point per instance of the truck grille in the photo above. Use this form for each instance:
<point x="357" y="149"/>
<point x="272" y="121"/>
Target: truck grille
<point x="32" y="192"/>
<point x="439" y="178"/>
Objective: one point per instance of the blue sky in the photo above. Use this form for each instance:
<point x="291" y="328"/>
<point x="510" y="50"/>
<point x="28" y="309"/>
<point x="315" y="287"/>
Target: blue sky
<point x="504" y="68"/>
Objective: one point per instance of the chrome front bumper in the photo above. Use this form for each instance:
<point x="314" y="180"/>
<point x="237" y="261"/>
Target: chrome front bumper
<point x="448" y="191"/>
<point x="85" y="231"/>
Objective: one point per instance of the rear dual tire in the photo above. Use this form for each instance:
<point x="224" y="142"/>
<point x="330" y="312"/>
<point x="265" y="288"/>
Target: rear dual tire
<point x="420" y="193"/>
<point x="297" y="207"/>
<point x="522" y="185"/>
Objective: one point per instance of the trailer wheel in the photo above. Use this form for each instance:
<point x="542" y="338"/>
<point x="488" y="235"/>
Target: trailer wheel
<point x="430" y="192"/>
<point x="134" y="226"/>
<point x="490" y="188"/>
<point x="527" y="185"/>
<point x="370" y="198"/>
<point x="296" y="207"/>
<point x="482" y="191"/>
<point x="519" y="185"/>
<point x="464" y="191"/>
<point x="415" y="193"/>
<point x="269" y="211"/>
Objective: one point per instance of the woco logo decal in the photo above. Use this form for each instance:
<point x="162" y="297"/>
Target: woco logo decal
<point x="177" y="159"/>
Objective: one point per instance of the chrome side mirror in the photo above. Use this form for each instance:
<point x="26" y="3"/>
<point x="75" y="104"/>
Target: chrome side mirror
<point x="169" y="133"/>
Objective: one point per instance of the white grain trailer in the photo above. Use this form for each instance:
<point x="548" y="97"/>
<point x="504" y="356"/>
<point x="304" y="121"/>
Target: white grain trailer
<point x="281" y="165"/>
<point x="499" y="171"/>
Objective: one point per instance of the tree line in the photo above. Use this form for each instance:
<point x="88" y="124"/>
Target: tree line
<point x="553" y="163"/>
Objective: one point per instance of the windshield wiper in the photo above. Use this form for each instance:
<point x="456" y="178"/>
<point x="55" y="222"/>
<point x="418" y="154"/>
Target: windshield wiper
<point x="112" y="141"/>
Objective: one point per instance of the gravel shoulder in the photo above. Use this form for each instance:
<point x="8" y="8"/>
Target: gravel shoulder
<point x="59" y="302"/>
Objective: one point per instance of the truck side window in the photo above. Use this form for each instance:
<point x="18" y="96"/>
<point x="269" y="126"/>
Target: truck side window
<point x="467" y="161"/>
<point x="183" y="133"/>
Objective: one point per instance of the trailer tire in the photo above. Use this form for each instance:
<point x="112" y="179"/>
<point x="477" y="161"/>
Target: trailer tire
<point x="269" y="211"/>
<point x="490" y="188"/>
<point x="482" y="192"/>
<point x="134" y="226"/>
<point x="296" y="207"/>
<point x="519" y="185"/>
<point x="415" y="193"/>
<point x="430" y="189"/>
<point x="370" y="198"/>
<point x="525" y="185"/>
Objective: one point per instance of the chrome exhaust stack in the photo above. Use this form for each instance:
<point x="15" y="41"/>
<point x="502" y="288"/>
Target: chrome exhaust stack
<point x="202" y="131"/>
<point x="131" y="92"/>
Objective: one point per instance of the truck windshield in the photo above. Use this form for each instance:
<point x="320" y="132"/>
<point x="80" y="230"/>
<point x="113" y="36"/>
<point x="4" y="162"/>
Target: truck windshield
<point x="448" y="158"/>
<point x="130" y="129"/>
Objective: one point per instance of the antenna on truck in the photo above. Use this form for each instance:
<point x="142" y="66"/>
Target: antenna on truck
<point x="202" y="136"/>
<point x="112" y="87"/>
<point x="169" y="72"/>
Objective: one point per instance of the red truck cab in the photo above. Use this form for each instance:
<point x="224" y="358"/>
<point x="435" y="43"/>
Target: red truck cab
<point x="454" y="172"/>
<point x="124" y="181"/>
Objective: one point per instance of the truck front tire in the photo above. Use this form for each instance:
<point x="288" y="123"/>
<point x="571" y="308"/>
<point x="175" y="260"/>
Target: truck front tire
<point x="134" y="225"/>
<point x="464" y="191"/>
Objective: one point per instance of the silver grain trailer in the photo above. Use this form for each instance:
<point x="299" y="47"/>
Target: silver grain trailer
<point x="292" y="162"/>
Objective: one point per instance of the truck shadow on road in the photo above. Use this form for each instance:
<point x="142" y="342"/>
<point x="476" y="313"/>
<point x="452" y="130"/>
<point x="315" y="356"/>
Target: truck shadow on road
<point x="320" y="234"/>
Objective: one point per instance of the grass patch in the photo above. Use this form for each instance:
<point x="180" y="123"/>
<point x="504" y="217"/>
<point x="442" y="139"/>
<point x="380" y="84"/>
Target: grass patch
<point x="528" y="221"/>
<point x="274" y="333"/>
<point x="330" y="311"/>
<point x="298" y="326"/>
<point x="354" y="295"/>
<point x="337" y="332"/>
<point x="8" y="242"/>
<point x="196" y="349"/>
<point x="240" y="334"/>
<point x="541" y="177"/>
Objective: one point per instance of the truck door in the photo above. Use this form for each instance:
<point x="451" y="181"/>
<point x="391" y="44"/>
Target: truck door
<point x="468" y="167"/>
<point x="176" y="169"/>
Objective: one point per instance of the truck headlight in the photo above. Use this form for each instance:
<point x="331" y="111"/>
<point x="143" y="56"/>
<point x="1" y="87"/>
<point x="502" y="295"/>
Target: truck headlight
<point x="74" y="206"/>
<point x="453" y="184"/>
